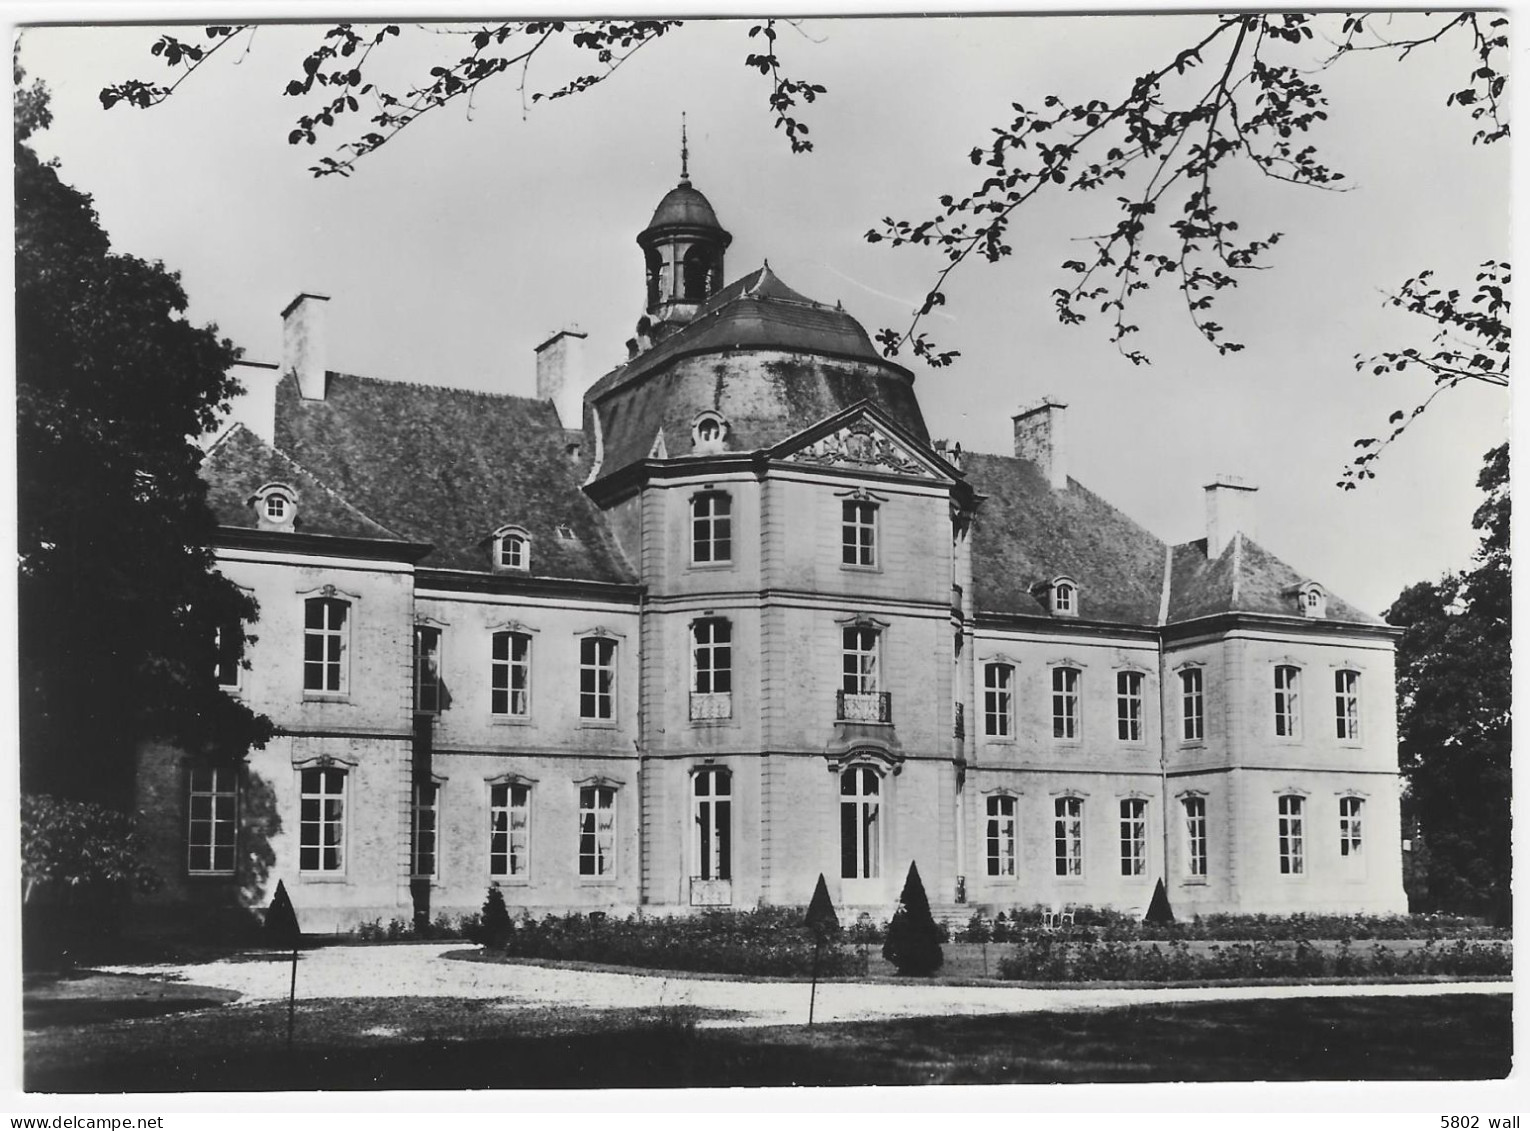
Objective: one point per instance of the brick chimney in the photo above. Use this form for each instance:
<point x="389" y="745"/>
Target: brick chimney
<point x="560" y="375"/>
<point x="1229" y="511"/>
<point x="1040" y="438"/>
<point x="303" y="349"/>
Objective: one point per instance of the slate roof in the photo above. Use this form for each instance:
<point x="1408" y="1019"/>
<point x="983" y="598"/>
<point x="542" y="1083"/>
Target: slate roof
<point x="1025" y="532"/>
<point x="684" y="206"/>
<point x="240" y="463"/>
<point x="449" y="467"/>
<point x="1245" y="578"/>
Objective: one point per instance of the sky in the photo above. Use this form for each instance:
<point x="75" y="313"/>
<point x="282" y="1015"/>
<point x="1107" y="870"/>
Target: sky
<point x="461" y="245"/>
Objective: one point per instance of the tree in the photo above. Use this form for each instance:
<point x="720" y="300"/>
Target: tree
<point x="119" y="606"/>
<point x="913" y="939"/>
<point x="1244" y="92"/>
<point x="1455" y="725"/>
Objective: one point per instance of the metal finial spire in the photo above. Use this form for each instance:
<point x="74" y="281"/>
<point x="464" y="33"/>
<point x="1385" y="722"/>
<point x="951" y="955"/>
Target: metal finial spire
<point x="685" y="153"/>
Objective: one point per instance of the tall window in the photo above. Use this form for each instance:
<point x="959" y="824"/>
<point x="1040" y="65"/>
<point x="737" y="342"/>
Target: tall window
<point x="998" y="700"/>
<point x="226" y="640"/>
<point x="597" y="678"/>
<point x="859" y="533"/>
<point x="860" y="834"/>
<point x="1062" y="598"/>
<point x="1133" y="836"/>
<point x="1195" y="836"/>
<point x="427" y="669"/>
<point x="1129" y="706"/>
<point x="711" y="528"/>
<point x="1192" y="710"/>
<point x="422" y="841"/>
<point x="326" y="642"/>
<point x="712" y="820"/>
<point x="1351" y="841"/>
<point x="1001" y="835"/>
<point x="862" y="656"/>
<point x="510" y="674"/>
<point x="1346" y="705"/>
<point x="212" y="813"/>
<point x="1288" y="720"/>
<point x="712" y="657"/>
<point x="597" y="831"/>
<point x="321" y="821"/>
<point x="1065" y="702"/>
<point x="1068" y="834"/>
<point x="1292" y="836"/>
<point x="510" y="830"/>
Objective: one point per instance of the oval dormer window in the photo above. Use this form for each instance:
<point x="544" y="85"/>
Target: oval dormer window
<point x="708" y="431"/>
<point x="275" y="506"/>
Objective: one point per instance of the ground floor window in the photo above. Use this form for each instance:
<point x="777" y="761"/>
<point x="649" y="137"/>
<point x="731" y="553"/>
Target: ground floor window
<point x="1068" y="834"/>
<point x="1001" y="835"/>
<point x="509" y="830"/>
<point x="321" y="824"/>
<point x="1133" y="836"/>
<point x="211" y="828"/>
<point x="1350" y="839"/>
<point x="1195" y="837"/>
<point x="1292" y="840"/>
<point x="860" y="834"/>
<point x="712" y="823"/>
<point x="597" y="831"/>
<point x="422" y="861"/>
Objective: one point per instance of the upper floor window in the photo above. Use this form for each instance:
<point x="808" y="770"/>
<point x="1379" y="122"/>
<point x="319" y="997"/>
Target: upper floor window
<point x="212" y="816"/>
<point x="326" y="644"/>
<point x="1288" y="719"/>
<point x="597" y="678"/>
<point x="1192" y="714"/>
<point x="860" y="834"/>
<point x="1001" y="835"/>
<point x="1064" y="597"/>
<point x="1068" y="836"/>
<point x="423" y="810"/>
<point x="1065" y="720"/>
<point x="1195" y="836"/>
<point x="509" y="830"/>
<point x="513" y="551"/>
<point x="1133" y="836"/>
<point x="712" y="823"/>
<point x="1292" y="835"/>
<point x="711" y="528"/>
<point x="227" y="639"/>
<point x="427" y="669"/>
<point x="998" y="700"/>
<point x="597" y="831"/>
<point x="1351" y="840"/>
<point x="1346" y="704"/>
<point x="1311" y="600"/>
<point x="321" y="821"/>
<point x="510" y="674"/>
<point x="712" y="656"/>
<point x="859" y="533"/>
<point x="1129" y="706"/>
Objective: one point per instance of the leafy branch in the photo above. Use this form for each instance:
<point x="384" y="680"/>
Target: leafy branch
<point x="1471" y="345"/>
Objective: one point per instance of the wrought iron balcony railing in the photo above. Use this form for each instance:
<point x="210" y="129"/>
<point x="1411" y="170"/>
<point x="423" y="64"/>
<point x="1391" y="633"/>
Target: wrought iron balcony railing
<point x="863" y="707"/>
<point x="711" y="706"/>
<point x="961" y="720"/>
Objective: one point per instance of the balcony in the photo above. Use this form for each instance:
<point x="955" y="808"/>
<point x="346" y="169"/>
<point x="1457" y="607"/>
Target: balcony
<point x="863" y="707"/>
<point x="711" y="706"/>
<point x="960" y="727"/>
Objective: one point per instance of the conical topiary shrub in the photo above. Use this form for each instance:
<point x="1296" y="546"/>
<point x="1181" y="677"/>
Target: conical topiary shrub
<point x="1159" y="911"/>
<point x="913" y="939"/>
<point x="495" y="923"/>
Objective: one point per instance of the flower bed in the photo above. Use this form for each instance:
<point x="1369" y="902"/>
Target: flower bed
<point x="1054" y="959"/>
<point x="1115" y="926"/>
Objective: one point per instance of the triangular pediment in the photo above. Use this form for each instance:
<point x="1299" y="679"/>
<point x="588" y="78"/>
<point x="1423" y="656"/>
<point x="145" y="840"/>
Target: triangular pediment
<point x="861" y="439"/>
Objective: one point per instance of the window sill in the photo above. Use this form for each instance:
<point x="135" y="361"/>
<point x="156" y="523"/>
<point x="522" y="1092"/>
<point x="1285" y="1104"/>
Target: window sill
<point x="703" y="724"/>
<point x="1192" y="744"/>
<point x="597" y="881"/>
<point x="597" y="724"/>
<point x="1000" y="740"/>
<point x="860" y="568"/>
<point x="1193" y="882"/>
<point x="323" y="878"/>
<point x="210" y="877"/>
<point x="510" y="720"/>
<point x="510" y="881"/>
<point x="712" y="565"/>
<point x="326" y="696"/>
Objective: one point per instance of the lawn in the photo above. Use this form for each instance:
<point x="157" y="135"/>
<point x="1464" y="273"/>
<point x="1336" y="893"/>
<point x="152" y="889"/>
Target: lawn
<point x="460" y="1044"/>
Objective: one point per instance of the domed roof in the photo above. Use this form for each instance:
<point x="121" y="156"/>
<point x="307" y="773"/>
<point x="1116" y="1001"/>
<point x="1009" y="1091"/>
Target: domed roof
<point x="684" y="206"/>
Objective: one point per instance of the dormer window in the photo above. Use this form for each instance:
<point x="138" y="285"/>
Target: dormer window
<point x="709" y="430"/>
<point x="566" y="532"/>
<point x="1060" y="596"/>
<point x="512" y="549"/>
<point x="275" y="506"/>
<point x="1311" y="600"/>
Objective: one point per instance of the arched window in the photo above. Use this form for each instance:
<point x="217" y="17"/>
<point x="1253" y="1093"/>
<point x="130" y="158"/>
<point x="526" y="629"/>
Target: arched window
<point x="860" y="833"/>
<point x="711" y="528"/>
<point x="1062" y="597"/>
<point x="326" y="645"/>
<point x="700" y="271"/>
<point x="512" y="550"/>
<point x="712" y="823"/>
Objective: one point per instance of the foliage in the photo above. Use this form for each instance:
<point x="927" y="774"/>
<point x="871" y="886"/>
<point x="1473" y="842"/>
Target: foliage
<point x="1050" y="959"/>
<point x="1167" y="145"/>
<point x="913" y="939"/>
<point x="69" y="845"/>
<point x="1471" y="345"/>
<point x="1115" y="926"/>
<point x="494" y="925"/>
<point x="443" y="926"/>
<point x="1454" y="713"/>
<point x="770" y="941"/>
<point x="339" y="82"/>
<point x="118" y="602"/>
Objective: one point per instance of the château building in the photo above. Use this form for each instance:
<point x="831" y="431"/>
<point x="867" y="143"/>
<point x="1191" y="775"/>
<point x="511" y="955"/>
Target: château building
<point x="728" y="618"/>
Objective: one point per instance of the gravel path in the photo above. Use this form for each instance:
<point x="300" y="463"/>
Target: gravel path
<point x="418" y="970"/>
